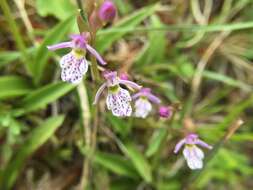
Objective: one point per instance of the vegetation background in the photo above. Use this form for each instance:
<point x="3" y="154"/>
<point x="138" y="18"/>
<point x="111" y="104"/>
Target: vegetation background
<point x="195" y="54"/>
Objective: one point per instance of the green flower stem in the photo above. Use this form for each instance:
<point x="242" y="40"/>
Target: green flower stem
<point x="85" y="119"/>
<point x="16" y="34"/>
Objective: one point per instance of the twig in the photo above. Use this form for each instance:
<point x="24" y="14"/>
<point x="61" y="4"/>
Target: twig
<point x="24" y="16"/>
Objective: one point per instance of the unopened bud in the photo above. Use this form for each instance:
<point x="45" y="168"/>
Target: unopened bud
<point x="165" y="111"/>
<point x="107" y="11"/>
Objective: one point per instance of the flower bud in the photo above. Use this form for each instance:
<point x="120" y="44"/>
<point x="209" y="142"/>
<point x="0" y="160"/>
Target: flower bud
<point x="124" y="76"/>
<point x="107" y="11"/>
<point x="165" y="111"/>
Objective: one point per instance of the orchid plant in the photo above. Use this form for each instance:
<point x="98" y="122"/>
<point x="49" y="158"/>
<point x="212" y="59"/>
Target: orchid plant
<point x="74" y="66"/>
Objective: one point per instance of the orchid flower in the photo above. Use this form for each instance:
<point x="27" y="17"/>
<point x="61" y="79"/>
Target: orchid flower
<point x="193" y="155"/>
<point x="143" y="105"/>
<point x="74" y="64"/>
<point x="118" y="99"/>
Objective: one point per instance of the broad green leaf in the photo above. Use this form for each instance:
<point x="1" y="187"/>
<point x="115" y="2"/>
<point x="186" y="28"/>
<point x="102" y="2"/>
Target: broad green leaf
<point x="139" y="161"/>
<point x="54" y="36"/>
<point x="105" y="40"/>
<point x="116" y="163"/>
<point x="44" y="95"/>
<point x="36" y="138"/>
<point x="13" y="86"/>
<point x="61" y="9"/>
<point x="156" y="45"/>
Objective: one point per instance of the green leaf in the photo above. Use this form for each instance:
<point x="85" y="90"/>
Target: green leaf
<point x="156" y="140"/>
<point x="13" y="86"/>
<point x="105" y="39"/>
<point x="154" y="50"/>
<point x="227" y="80"/>
<point x="61" y="9"/>
<point x="8" y="56"/>
<point x="139" y="161"/>
<point x="36" y="139"/>
<point x="54" y="36"/>
<point x="116" y="163"/>
<point x="44" y="95"/>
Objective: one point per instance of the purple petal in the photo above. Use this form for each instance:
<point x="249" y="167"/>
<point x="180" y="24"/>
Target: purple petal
<point x="130" y="83"/>
<point x="203" y="144"/>
<point x="96" y="54"/>
<point x="60" y="46"/>
<point x="137" y="95"/>
<point x="179" y="146"/>
<point x="99" y="92"/>
<point x="153" y="98"/>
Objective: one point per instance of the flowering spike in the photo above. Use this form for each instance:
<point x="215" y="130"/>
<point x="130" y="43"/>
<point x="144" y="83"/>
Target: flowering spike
<point x="74" y="64"/>
<point x="107" y="11"/>
<point x="193" y="155"/>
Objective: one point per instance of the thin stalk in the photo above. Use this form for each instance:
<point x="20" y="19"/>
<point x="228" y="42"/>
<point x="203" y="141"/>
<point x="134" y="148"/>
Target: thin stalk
<point x="16" y="34"/>
<point x="90" y="135"/>
<point x="83" y="96"/>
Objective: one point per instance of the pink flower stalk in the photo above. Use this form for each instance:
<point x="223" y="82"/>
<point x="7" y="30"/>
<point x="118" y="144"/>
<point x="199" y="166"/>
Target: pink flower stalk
<point x="143" y="105"/>
<point x="193" y="155"/>
<point x="165" y="111"/>
<point x="118" y="99"/>
<point x="74" y="64"/>
<point x="107" y="11"/>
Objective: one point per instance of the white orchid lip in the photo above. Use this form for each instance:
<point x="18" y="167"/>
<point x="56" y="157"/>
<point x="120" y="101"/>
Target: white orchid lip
<point x="142" y="107"/>
<point x="193" y="155"/>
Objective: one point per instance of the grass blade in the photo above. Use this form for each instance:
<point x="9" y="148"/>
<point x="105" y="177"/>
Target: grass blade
<point x="36" y="138"/>
<point x="54" y="36"/>
<point x="13" y="86"/>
